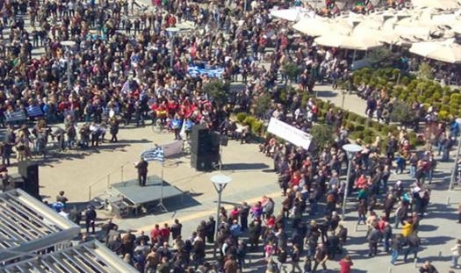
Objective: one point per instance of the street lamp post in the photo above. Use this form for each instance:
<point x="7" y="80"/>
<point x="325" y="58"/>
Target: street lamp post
<point x="351" y="150"/>
<point x="172" y="32"/>
<point x="220" y="182"/>
<point x="453" y="174"/>
<point x="68" y="45"/>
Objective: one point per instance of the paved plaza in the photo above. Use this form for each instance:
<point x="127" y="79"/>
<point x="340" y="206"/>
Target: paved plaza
<point x="87" y="174"/>
<point x="84" y="174"/>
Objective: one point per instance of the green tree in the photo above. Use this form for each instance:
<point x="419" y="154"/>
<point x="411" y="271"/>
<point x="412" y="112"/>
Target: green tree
<point x="402" y="112"/>
<point x="262" y="104"/>
<point x="322" y="135"/>
<point x="217" y="91"/>
<point x="381" y="57"/>
<point x="291" y="70"/>
<point x="425" y="72"/>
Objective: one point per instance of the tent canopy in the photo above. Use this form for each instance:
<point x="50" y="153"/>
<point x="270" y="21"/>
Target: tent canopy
<point x="348" y="42"/>
<point x="447" y="51"/>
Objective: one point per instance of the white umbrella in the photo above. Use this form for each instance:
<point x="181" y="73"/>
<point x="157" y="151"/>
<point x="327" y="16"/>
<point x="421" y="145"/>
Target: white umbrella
<point x="319" y="26"/>
<point x="438" y="4"/>
<point x="292" y="15"/>
<point x="447" y="51"/>
<point x="313" y="26"/>
<point x="348" y="42"/>
<point x="384" y="36"/>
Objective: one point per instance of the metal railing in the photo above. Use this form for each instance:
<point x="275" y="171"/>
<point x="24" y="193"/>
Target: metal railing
<point x="107" y="179"/>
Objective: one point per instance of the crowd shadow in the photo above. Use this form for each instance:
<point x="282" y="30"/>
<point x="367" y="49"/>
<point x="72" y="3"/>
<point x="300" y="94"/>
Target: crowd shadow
<point x="427" y="228"/>
<point x="134" y="141"/>
<point x="437" y="240"/>
<point x="55" y="155"/>
<point x="326" y="94"/>
<point x="244" y="166"/>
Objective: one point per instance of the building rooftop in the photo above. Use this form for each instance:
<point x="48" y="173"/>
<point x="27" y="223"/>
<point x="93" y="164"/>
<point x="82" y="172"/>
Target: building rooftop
<point x="91" y="257"/>
<point x="28" y="226"/>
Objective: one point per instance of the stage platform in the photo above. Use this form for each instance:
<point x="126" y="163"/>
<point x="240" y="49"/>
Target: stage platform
<point x="147" y="196"/>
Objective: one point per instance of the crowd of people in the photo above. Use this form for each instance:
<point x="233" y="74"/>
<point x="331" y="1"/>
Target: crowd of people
<point x="119" y="72"/>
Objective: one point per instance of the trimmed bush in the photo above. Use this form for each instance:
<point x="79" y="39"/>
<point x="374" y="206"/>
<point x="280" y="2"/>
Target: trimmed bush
<point x="256" y="126"/>
<point x="249" y="120"/>
<point x="361" y="120"/>
<point x="359" y="128"/>
<point x="241" y="117"/>
<point x="352" y="116"/>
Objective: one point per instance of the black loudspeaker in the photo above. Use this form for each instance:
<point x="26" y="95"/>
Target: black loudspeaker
<point x="29" y="172"/>
<point x="200" y="140"/>
<point x="204" y="148"/>
<point x="223" y="140"/>
<point x="16" y="181"/>
<point x="204" y="163"/>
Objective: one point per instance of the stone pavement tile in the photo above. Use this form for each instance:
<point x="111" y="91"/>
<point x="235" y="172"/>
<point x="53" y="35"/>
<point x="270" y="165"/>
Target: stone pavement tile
<point x="340" y="98"/>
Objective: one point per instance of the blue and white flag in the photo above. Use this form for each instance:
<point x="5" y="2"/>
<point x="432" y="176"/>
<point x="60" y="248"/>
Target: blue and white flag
<point x="154" y="154"/>
<point x="15" y="116"/>
<point x="34" y="111"/>
<point x="126" y="87"/>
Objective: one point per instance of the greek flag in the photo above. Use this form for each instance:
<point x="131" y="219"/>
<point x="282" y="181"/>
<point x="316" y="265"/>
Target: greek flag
<point x="15" y="116"/>
<point x="34" y="111"/>
<point x="154" y="154"/>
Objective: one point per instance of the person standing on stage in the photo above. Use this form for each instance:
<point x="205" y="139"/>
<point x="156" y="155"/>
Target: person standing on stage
<point x="142" y="171"/>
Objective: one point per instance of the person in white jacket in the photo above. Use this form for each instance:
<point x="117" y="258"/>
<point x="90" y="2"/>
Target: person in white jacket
<point x="456" y="253"/>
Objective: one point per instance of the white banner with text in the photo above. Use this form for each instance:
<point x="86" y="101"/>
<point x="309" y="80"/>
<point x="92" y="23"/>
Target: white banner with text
<point x="289" y="133"/>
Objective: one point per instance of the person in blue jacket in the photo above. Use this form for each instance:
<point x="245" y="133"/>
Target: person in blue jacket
<point x="188" y="127"/>
<point x="176" y="124"/>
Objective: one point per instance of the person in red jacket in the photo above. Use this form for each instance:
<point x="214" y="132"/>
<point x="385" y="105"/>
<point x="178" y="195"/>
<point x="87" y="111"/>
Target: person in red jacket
<point x="165" y="233"/>
<point x="346" y="265"/>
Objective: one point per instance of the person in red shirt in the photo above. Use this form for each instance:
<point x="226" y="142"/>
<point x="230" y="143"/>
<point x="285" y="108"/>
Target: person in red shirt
<point x="346" y="265"/>
<point x="165" y="233"/>
<point x="234" y="213"/>
<point x="155" y="234"/>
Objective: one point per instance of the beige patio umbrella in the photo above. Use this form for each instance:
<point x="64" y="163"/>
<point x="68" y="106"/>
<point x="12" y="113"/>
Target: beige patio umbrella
<point x="348" y="42"/>
<point x="313" y="26"/>
<point x="319" y="26"/>
<point x="438" y="4"/>
<point x="381" y="35"/>
<point x="446" y="51"/>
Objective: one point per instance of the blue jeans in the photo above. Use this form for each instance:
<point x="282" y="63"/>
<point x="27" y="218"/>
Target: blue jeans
<point x="429" y="176"/>
<point x="410" y="250"/>
<point x="386" y="244"/>
<point x="361" y="218"/>
<point x="412" y="171"/>
<point x="454" y="260"/>
<point x="314" y="207"/>
<point x="394" y="256"/>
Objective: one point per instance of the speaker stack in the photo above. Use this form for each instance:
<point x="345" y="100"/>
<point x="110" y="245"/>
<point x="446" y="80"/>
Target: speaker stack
<point x="29" y="172"/>
<point x="204" y="148"/>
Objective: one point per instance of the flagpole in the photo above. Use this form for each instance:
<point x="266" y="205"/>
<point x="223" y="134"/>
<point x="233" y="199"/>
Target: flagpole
<point x="161" y="185"/>
<point x="160" y="206"/>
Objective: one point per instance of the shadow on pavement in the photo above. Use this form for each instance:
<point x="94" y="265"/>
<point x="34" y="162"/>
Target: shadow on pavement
<point x="244" y="166"/>
<point x="427" y="228"/>
<point x="436" y="240"/>
<point x="327" y="94"/>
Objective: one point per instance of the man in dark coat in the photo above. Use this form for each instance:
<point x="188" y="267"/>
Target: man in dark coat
<point x="142" y="171"/>
<point x="90" y="218"/>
